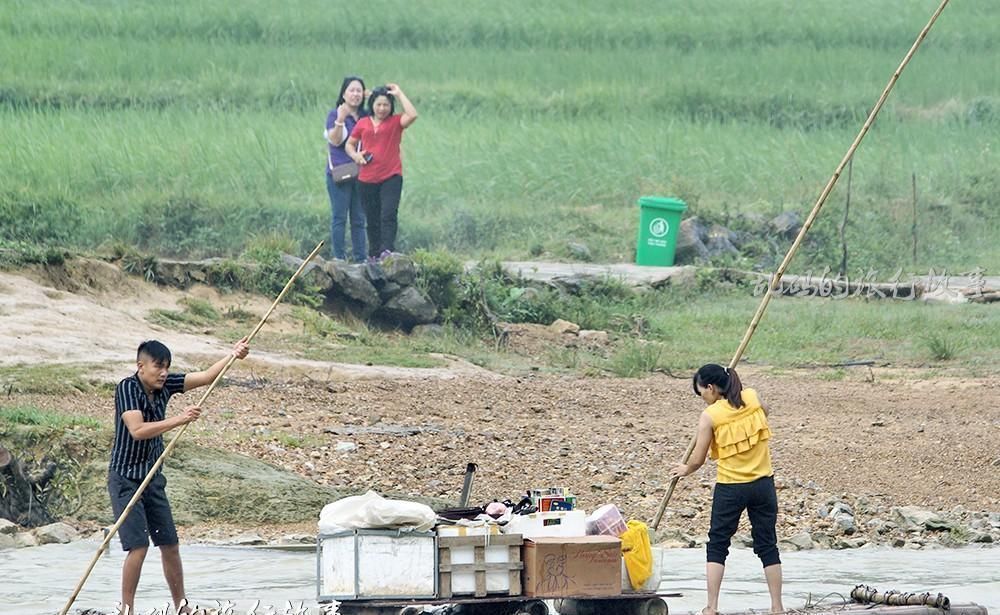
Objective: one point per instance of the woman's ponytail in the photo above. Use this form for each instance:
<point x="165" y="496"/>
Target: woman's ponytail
<point x="733" y="391"/>
<point x="725" y="379"/>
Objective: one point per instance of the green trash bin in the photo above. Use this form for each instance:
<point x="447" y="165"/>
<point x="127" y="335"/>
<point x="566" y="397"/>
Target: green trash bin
<point x="659" y="222"/>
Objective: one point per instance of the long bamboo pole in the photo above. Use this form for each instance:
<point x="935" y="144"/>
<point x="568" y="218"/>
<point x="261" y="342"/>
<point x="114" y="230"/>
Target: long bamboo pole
<point x="170" y="447"/>
<point x="776" y="279"/>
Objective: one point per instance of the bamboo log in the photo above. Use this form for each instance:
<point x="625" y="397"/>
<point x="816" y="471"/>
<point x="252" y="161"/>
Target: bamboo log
<point x="869" y="595"/>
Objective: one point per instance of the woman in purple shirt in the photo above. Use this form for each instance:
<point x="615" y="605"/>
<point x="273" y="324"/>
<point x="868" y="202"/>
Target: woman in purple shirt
<point x="344" y="198"/>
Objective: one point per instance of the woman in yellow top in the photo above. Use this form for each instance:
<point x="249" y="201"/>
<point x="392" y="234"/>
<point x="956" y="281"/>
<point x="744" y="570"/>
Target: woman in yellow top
<point x="733" y="430"/>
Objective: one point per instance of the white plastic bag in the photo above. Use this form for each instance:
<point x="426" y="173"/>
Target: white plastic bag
<point x="372" y="511"/>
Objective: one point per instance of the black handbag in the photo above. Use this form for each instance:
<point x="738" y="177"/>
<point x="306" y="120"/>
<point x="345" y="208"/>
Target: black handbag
<point x="344" y="172"/>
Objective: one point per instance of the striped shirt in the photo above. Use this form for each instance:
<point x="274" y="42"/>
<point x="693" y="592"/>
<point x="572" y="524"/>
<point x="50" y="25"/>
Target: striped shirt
<point x="133" y="458"/>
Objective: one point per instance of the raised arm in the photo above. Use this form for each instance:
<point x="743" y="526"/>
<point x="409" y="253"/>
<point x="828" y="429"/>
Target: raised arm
<point x="409" y="114"/>
<point x="194" y="380"/>
<point x="338" y="132"/>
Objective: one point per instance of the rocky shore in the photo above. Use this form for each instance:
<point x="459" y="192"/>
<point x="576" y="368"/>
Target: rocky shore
<point x="906" y="475"/>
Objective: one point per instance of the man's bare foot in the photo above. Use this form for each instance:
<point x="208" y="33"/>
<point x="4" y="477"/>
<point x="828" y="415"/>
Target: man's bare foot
<point x="709" y="611"/>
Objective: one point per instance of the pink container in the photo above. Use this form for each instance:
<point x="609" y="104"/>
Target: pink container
<point x="606" y="520"/>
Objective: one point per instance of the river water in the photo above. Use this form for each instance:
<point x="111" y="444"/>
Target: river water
<point x="39" y="580"/>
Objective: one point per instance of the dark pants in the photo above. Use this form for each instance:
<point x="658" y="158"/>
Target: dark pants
<point x="150" y="517"/>
<point x="381" y="203"/>
<point x="760" y="500"/>
<point x="345" y="202"/>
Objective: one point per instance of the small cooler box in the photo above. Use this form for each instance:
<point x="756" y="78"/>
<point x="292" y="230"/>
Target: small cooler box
<point x="369" y="564"/>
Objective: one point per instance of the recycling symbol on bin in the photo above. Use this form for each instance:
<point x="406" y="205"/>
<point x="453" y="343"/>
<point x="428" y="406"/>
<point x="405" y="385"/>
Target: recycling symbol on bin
<point x="659" y="227"/>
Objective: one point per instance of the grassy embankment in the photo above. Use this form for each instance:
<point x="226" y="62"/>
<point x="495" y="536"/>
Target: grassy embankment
<point x="206" y="484"/>
<point x="191" y="130"/>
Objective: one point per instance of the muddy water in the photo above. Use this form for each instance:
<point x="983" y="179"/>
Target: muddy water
<point x="39" y="580"/>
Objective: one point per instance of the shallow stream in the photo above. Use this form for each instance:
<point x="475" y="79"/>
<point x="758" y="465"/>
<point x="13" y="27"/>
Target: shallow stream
<point x="39" y="580"/>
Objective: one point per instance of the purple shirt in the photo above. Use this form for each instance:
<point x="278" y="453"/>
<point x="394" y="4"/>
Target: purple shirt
<point x="337" y="153"/>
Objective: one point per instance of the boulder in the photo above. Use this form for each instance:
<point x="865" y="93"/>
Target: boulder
<point x="294" y="262"/>
<point x="840" y="507"/>
<point x="981" y="537"/>
<point x="719" y="240"/>
<point x="850" y="543"/>
<point x="821" y="539"/>
<point x="579" y="251"/>
<point x="561" y="326"/>
<point x="8" y="527"/>
<point x="247" y="539"/>
<point x="982" y="523"/>
<point x="27" y="539"/>
<point x="844" y="523"/>
<point x="60" y="533"/>
<point x="389" y="290"/>
<point x="7" y="542"/>
<point x="400" y="269"/>
<point x="786" y="224"/>
<point x="373" y="271"/>
<point x="410" y="307"/>
<point x="801" y="541"/>
<point x="351" y="282"/>
<point x="592" y="336"/>
<point x="914" y="518"/>
<point x="181" y="274"/>
<point x="297" y="539"/>
<point x="320" y="278"/>
<point x="690" y="242"/>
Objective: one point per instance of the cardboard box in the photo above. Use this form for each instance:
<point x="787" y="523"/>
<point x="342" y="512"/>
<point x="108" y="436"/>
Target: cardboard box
<point x="572" y="567"/>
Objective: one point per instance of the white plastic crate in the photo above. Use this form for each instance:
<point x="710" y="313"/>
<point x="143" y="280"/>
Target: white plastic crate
<point x="376" y="564"/>
<point x="556" y="524"/>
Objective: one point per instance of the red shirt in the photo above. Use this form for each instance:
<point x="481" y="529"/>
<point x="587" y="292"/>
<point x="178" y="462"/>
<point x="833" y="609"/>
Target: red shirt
<point x="383" y="143"/>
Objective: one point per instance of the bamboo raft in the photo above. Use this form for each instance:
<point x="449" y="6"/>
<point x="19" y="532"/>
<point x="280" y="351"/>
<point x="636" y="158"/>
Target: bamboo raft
<point x="866" y="601"/>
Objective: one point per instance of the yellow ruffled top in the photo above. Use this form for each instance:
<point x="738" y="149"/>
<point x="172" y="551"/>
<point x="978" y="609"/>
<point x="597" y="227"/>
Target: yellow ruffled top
<point x="740" y="440"/>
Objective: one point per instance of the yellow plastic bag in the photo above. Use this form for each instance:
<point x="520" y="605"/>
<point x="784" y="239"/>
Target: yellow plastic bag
<point x="637" y="553"/>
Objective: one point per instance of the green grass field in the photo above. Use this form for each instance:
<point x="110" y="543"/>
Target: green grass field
<point x="188" y="130"/>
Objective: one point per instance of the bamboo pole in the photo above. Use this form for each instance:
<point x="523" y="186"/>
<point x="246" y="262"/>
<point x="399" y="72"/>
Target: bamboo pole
<point x="776" y="279"/>
<point x="173" y="442"/>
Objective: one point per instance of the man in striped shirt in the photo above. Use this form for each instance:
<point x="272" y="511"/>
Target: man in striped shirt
<point x="140" y="422"/>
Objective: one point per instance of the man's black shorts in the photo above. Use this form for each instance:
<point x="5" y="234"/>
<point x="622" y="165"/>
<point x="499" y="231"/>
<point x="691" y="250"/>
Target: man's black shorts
<point x="150" y="517"/>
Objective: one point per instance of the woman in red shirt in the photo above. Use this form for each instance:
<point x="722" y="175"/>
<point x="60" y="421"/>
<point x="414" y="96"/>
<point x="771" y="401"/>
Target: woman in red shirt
<point x="380" y="180"/>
